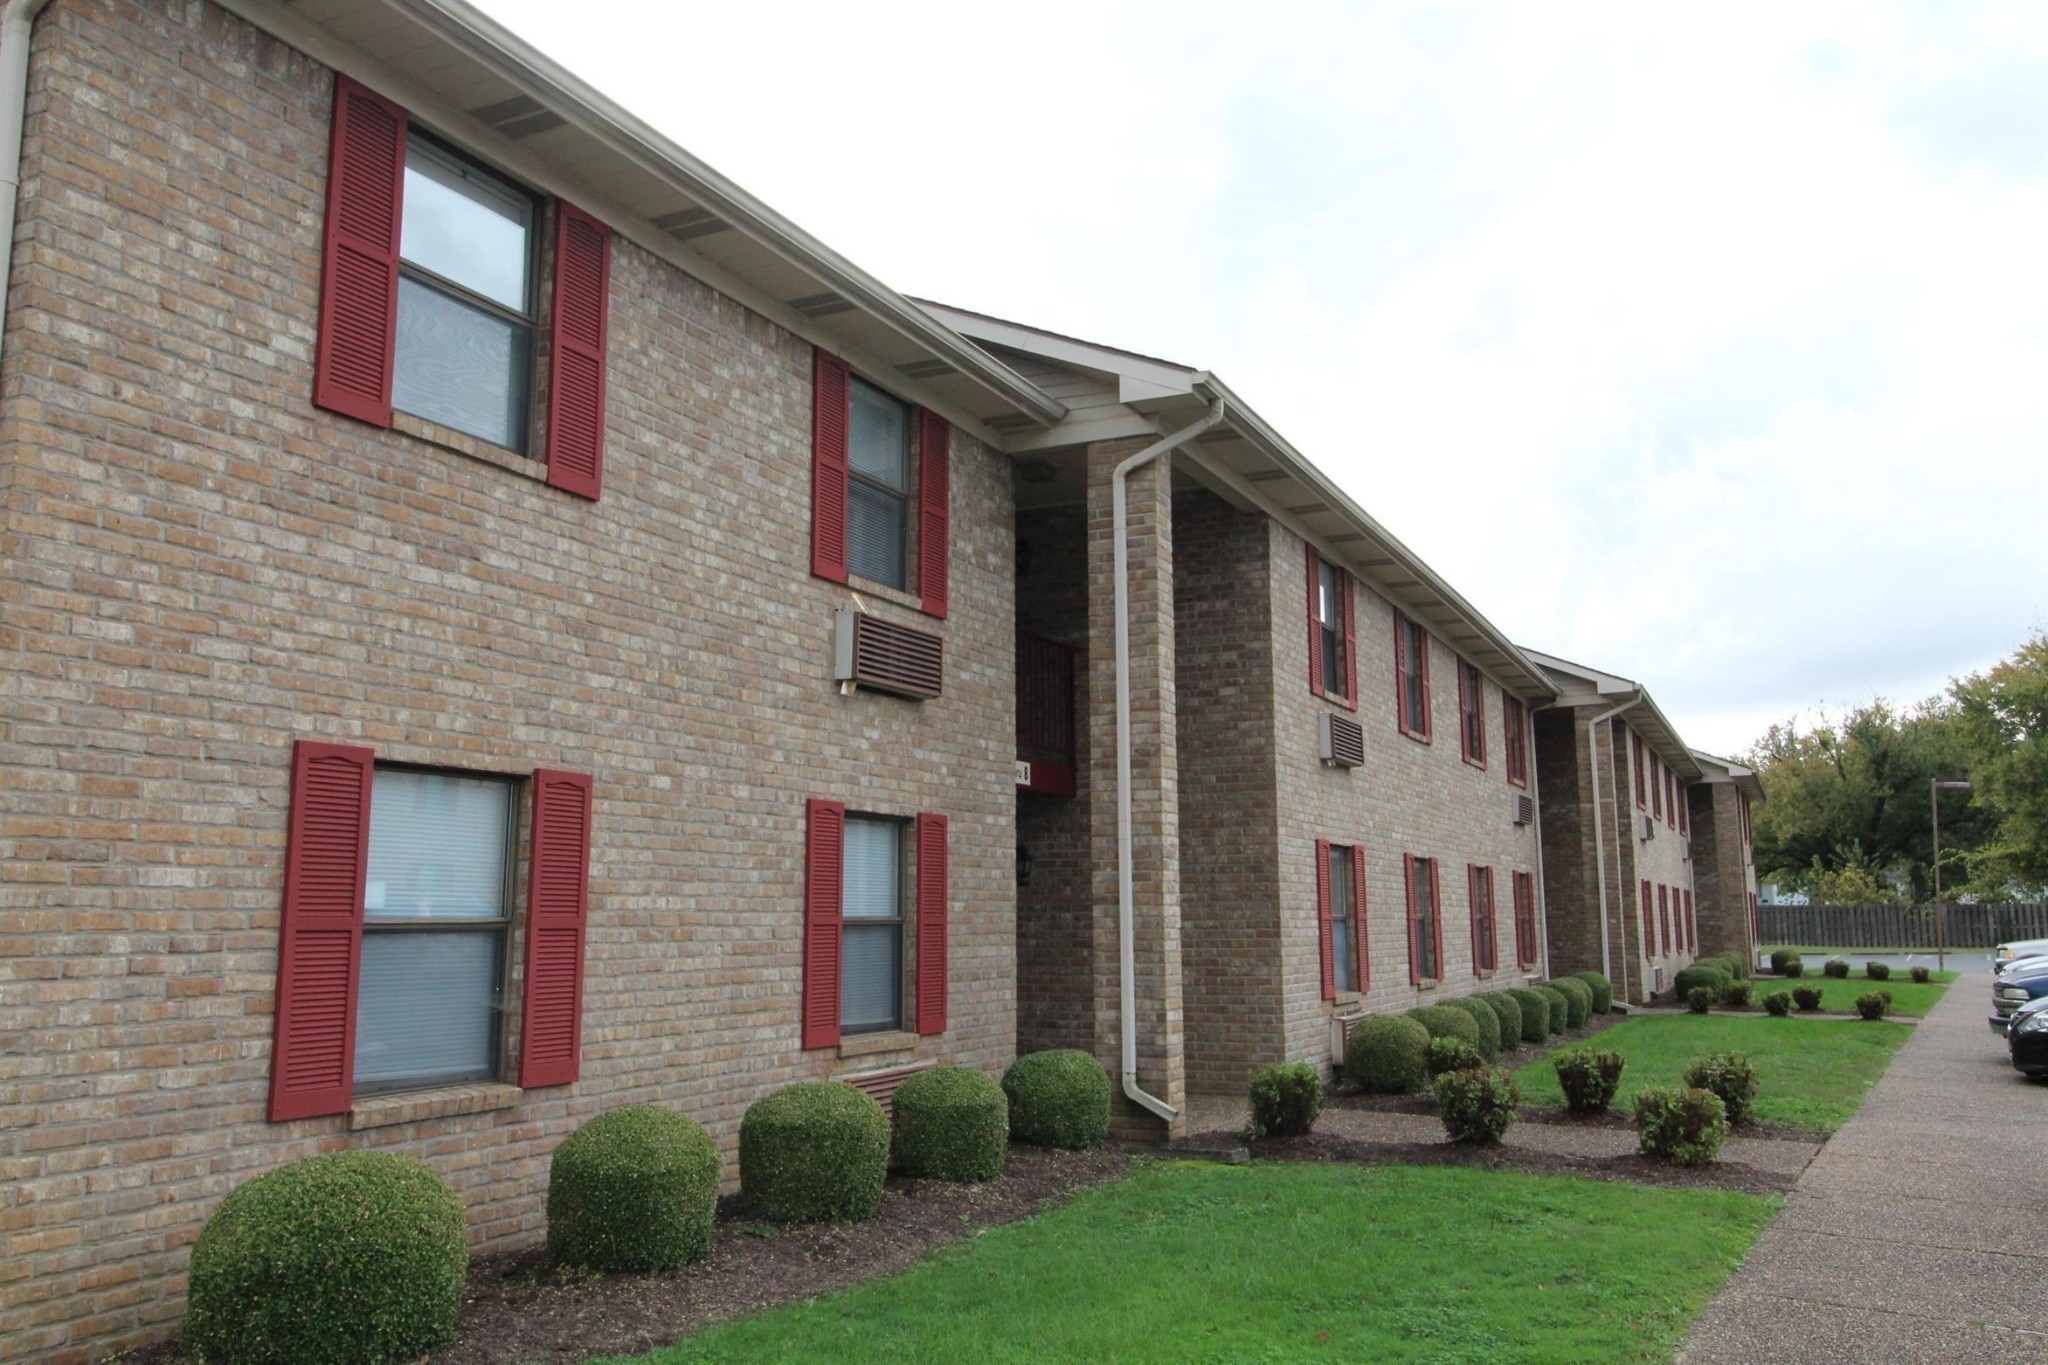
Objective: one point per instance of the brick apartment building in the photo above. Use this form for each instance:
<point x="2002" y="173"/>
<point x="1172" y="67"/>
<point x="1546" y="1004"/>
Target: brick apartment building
<point x="499" y="624"/>
<point x="1724" y="855"/>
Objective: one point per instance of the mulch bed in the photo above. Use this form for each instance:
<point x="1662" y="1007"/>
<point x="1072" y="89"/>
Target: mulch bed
<point x="1633" y="1168"/>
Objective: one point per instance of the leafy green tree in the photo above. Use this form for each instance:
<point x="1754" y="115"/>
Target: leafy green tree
<point x="2002" y="724"/>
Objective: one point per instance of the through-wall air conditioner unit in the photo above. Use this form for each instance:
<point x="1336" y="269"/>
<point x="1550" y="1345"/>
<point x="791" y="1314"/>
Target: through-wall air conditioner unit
<point x="1340" y="1034"/>
<point x="868" y="652"/>
<point x="1685" y="849"/>
<point x="1649" y="827"/>
<point x="1340" y="741"/>
<point x="1524" y="810"/>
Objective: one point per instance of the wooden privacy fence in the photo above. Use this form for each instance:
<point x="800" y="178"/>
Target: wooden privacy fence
<point x="1901" y="926"/>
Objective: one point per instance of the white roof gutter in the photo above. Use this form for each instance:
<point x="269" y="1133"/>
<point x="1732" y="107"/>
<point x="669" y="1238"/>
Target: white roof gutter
<point x="17" y="24"/>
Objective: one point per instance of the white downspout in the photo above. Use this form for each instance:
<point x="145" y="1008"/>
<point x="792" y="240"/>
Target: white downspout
<point x="1126" y="916"/>
<point x="1600" y="840"/>
<point x="16" y="22"/>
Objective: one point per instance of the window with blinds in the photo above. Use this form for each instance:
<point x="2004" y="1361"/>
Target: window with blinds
<point x="871" y="951"/>
<point x="1343" y="919"/>
<point x="436" y="909"/>
<point x="878" y="511"/>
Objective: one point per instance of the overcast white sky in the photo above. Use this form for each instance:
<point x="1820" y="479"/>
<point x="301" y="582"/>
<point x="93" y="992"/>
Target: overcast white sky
<point x="1707" y="348"/>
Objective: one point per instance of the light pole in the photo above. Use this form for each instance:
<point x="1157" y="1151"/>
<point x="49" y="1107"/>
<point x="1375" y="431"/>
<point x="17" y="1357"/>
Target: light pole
<point x="1934" y="790"/>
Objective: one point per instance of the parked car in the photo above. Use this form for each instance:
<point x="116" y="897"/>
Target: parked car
<point x="2027" y="1038"/>
<point x="2020" y="983"/>
<point x="2006" y="953"/>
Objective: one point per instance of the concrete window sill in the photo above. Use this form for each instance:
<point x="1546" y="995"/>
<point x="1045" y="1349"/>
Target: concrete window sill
<point x="876" y="1044"/>
<point x="384" y="1111"/>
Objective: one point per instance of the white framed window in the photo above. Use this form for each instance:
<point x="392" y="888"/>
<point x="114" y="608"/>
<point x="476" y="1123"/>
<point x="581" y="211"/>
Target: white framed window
<point x="871" y="930"/>
<point x="878" y="507"/>
<point x="1343" y="917"/>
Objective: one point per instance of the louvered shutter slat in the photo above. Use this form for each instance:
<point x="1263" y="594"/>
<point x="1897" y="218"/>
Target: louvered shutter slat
<point x="1325" y="932"/>
<point x="934" y="501"/>
<point x="327" y="858"/>
<point x="1414" y="946"/>
<point x="831" y="470"/>
<point x="358" y="329"/>
<point x="557" y="917"/>
<point x="1350" y="643"/>
<point x="824" y="900"/>
<point x="1361" y="941"/>
<point x="931" y="923"/>
<point x="581" y="315"/>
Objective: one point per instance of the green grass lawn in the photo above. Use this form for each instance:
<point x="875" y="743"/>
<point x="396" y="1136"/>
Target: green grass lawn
<point x="1813" y="957"/>
<point x="1812" y="1073"/>
<point x="1839" y="993"/>
<point x="1283" y="1262"/>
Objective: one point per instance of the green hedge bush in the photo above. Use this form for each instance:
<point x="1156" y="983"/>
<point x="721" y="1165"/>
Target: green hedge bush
<point x="1589" y="1078"/>
<point x="1058" y="1098"/>
<point x="1781" y="958"/>
<point x="1711" y="975"/>
<point x="1921" y="976"/>
<point x="1535" y="1009"/>
<point x="1873" y="1004"/>
<point x="345" y="1257"/>
<point x="1736" y="996"/>
<point x="633" y="1189"/>
<point x="1685" y="1127"/>
<point x="1700" y="999"/>
<point x="1729" y="1075"/>
<point x="1806" y="997"/>
<point x="1509" y="1013"/>
<point x="1452" y="1054"/>
<point x="816" y="1151"/>
<point x="950" y="1123"/>
<point x="1286" y="1100"/>
<point x="1487" y="1022"/>
<point x="1877" y="971"/>
<point x="1477" y="1104"/>
<point x="1443" y="1021"/>
<point x="1560" y="1008"/>
<point x="1778" y="1004"/>
<point x="1387" y="1055"/>
<point x="1578" y="999"/>
<point x="1836" y="968"/>
<point x="1602" y="988"/>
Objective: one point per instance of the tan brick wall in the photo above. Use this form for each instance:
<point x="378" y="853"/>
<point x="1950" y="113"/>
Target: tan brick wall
<point x="1724" y="870"/>
<point x="198" y="567"/>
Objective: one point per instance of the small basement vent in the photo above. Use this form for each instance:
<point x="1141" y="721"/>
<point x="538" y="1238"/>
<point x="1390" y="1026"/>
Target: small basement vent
<point x="1649" y="827"/>
<point x="881" y="1086"/>
<point x="1525" y="810"/>
<point x="886" y="657"/>
<point x="1341" y="741"/>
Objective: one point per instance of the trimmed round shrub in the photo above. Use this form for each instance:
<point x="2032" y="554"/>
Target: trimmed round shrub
<point x="1781" y="958"/>
<point x="1836" y="968"/>
<point x="1921" y="976"/>
<point x="1452" y="1054"/>
<point x="1700" y="999"/>
<point x="1714" y="977"/>
<point x="951" y="1123"/>
<point x="1560" y="1007"/>
<point x="1794" y="969"/>
<point x="1806" y="997"/>
<point x="1736" y="996"/>
<point x="1058" y="1098"/>
<point x="633" y="1189"/>
<point x="1778" y="1004"/>
<point x="1387" y="1055"/>
<point x="1602" y="988"/>
<point x="1729" y="1075"/>
<point x="1487" y="1022"/>
<point x="1443" y="1021"/>
<point x="816" y="1151"/>
<point x="1878" y="971"/>
<point x="1589" y="1078"/>
<point x="1578" y="1000"/>
<point x="1535" y="1013"/>
<point x="344" y="1257"/>
<point x="1685" y="1127"/>
<point x="1286" y="1100"/>
<point x="1509" y="1013"/>
<point x="1476" y="1104"/>
<point x="1873" y="1004"/>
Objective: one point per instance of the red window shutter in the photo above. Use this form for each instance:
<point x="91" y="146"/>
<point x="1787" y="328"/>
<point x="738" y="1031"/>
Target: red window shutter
<point x="327" y="856"/>
<point x="931" y="923"/>
<point x="1414" y="948"/>
<point x="824" y="902"/>
<point x="1361" y="942"/>
<point x="831" y="472"/>
<point x="1436" y="913"/>
<point x="1350" y="644"/>
<point x="934" y="516"/>
<point x="1317" y="683"/>
<point x="557" y="913"/>
<point x="576" y="364"/>
<point x="1472" y="898"/>
<point x="358" y="332"/>
<point x="1649" y="921"/>
<point x="1421" y="666"/>
<point x="1324" y="934"/>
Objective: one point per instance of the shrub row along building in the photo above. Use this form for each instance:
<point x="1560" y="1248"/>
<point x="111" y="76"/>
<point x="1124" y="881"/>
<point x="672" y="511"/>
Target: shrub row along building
<point x="499" y="624"/>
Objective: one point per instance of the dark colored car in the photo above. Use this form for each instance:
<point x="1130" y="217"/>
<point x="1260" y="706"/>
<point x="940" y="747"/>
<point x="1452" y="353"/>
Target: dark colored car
<point x="2017" y="985"/>
<point x="2027" y="1037"/>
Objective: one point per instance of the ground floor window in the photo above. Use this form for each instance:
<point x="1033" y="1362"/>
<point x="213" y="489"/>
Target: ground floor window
<point x="1425" y="930"/>
<point x="871" y="981"/>
<point x="1343" y="917"/>
<point x="1485" y="943"/>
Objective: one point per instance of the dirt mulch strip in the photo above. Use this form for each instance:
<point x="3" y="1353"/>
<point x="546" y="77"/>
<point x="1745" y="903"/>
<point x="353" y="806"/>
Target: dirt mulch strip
<point x="518" y="1307"/>
<point x="1633" y="1168"/>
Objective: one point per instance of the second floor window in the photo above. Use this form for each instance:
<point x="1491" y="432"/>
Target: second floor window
<point x="1411" y="676"/>
<point x="1472" y="712"/>
<point x="1514" y="726"/>
<point x="1330" y="624"/>
<point x="878" y="504"/>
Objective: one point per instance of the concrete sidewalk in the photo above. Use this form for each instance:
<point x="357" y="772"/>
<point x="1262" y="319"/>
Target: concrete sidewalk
<point x="1918" y="1232"/>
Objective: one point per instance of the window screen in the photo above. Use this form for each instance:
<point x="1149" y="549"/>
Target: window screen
<point x="871" y="953"/>
<point x="1343" y="920"/>
<point x="878" y="449"/>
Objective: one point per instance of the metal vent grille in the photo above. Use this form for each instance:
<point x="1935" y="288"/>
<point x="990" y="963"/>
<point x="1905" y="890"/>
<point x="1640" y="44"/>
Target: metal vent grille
<point x="881" y="1086"/>
<point x="1342" y="741"/>
<point x="1525" y="810"/>
<point x="1649" y="827"/>
<point x="886" y="657"/>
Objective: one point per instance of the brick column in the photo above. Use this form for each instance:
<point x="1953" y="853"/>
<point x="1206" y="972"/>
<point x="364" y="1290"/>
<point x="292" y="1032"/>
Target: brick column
<point x="1155" y="827"/>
